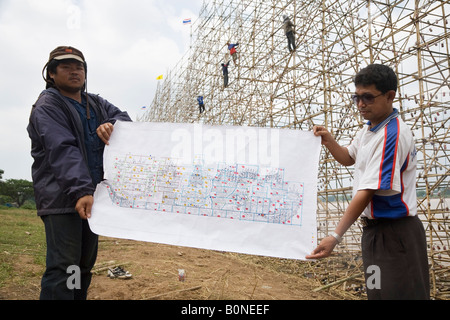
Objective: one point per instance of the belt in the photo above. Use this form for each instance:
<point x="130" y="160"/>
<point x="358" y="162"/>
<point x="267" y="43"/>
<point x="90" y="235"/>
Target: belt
<point x="366" y="222"/>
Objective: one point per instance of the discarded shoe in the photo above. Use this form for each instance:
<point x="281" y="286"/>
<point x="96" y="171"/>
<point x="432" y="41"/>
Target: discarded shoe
<point x="119" y="273"/>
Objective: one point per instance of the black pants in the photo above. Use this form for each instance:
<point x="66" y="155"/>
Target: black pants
<point x="70" y="242"/>
<point x="291" y="40"/>
<point x="397" y="250"/>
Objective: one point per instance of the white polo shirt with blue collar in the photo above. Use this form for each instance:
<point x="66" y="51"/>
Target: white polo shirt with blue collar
<point x="385" y="160"/>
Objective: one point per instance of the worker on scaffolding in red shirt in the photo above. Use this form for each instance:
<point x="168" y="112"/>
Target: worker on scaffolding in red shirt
<point x="232" y="48"/>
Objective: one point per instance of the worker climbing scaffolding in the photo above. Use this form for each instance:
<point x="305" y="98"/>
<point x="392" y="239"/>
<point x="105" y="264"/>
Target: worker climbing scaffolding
<point x="201" y="105"/>
<point x="288" y="27"/>
<point x="225" y="73"/>
<point x="233" y="52"/>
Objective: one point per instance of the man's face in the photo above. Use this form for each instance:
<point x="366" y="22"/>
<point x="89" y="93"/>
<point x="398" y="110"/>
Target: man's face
<point x="373" y="105"/>
<point x="70" y="76"/>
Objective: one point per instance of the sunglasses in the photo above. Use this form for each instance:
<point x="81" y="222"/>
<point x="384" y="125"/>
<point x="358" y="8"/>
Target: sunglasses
<point x="366" y="98"/>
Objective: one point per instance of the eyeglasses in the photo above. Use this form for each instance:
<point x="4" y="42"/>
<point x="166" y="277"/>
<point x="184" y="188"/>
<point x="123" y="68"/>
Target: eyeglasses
<point x="366" y="98"/>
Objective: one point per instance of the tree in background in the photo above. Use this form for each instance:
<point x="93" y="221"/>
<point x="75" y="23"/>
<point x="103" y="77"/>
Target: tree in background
<point x="16" y="191"/>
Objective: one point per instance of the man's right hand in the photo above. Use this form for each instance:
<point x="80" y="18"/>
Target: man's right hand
<point x="324" y="249"/>
<point x="84" y="206"/>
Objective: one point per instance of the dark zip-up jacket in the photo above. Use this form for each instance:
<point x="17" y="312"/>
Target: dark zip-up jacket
<point x="60" y="171"/>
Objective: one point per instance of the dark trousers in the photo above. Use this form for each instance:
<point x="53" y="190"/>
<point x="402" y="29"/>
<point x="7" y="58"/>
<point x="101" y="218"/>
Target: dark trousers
<point x="291" y="40"/>
<point x="70" y="242"/>
<point x="225" y="80"/>
<point x="398" y="249"/>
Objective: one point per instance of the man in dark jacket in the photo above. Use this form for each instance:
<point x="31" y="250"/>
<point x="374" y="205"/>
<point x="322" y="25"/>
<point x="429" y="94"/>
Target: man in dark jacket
<point x="288" y="27"/>
<point x="225" y="73"/>
<point x="68" y="129"/>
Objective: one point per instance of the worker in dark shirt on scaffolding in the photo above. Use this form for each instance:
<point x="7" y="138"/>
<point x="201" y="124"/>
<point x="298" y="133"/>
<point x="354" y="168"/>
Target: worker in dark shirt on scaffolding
<point x="225" y="73"/>
<point x="288" y="27"/>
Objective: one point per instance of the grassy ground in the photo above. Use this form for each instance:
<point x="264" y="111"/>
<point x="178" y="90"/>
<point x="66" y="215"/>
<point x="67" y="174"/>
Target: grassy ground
<point x="22" y="243"/>
<point x="213" y="274"/>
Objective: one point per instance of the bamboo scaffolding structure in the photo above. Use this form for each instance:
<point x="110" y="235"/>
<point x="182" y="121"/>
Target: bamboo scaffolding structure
<point x="272" y="87"/>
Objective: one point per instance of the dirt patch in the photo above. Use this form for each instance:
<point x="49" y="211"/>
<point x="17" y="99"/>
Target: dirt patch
<point x="210" y="275"/>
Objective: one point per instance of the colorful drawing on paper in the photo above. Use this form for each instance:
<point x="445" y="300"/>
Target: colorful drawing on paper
<point x="239" y="191"/>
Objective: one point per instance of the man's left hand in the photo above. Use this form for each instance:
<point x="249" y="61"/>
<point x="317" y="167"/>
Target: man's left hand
<point x="104" y="132"/>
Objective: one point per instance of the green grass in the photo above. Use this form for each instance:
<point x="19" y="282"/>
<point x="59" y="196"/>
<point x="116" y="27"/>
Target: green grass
<point x="22" y="246"/>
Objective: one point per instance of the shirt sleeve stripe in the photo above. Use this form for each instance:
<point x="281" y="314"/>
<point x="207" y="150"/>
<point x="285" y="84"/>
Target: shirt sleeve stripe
<point x="388" y="160"/>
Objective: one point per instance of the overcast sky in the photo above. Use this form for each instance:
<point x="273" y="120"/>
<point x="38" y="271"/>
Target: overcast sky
<point x="126" y="43"/>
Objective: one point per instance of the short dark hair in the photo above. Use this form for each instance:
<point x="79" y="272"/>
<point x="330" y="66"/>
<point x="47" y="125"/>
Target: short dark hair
<point x="383" y="77"/>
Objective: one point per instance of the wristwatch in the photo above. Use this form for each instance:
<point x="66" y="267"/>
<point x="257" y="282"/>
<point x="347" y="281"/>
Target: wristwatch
<point x="336" y="236"/>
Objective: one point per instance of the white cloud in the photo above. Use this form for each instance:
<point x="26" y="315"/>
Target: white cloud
<point x="127" y="44"/>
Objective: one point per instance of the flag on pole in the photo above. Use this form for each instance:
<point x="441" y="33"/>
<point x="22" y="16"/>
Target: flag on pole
<point x="187" y="21"/>
<point x="159" y="77"/>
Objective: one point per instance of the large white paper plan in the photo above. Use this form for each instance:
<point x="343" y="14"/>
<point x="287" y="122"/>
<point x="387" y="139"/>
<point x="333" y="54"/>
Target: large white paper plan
<point x="239" y="189"/>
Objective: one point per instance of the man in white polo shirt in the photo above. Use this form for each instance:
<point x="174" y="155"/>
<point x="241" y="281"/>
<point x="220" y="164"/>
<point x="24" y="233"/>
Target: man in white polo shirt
<point x="384" y="192"/>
